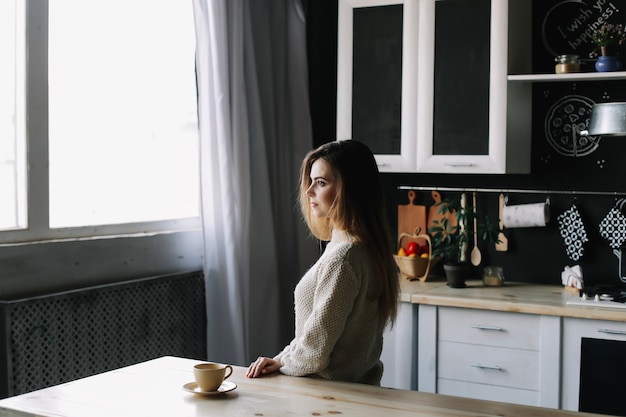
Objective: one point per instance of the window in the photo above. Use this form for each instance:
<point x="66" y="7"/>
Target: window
<point x="12" y="155"/>
<point x="112" y="119"/>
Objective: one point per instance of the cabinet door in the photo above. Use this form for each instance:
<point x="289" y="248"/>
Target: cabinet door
<point x="377" y="76"/>
<point x="399" y="355"/>
<point x="465" y="92"/>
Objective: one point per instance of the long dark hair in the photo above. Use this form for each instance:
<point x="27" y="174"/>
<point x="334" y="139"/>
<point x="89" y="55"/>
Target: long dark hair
<point x="359" y="209"/>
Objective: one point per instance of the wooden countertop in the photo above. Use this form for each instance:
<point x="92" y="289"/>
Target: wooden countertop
<point x="512" y="296"/>
<point x="155" y="388"/>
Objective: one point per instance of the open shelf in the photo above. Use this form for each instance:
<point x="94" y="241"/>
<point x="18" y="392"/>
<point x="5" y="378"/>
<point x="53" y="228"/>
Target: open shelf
<point x="580" y="76"/>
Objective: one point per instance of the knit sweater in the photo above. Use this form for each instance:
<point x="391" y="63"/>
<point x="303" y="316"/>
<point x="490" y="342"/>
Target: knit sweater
<point x="337" y="333"/>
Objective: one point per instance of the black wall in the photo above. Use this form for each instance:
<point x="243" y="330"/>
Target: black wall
<point x="535" y="254"/>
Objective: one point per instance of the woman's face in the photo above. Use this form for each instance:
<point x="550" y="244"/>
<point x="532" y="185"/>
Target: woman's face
<point x="322" y="190"/>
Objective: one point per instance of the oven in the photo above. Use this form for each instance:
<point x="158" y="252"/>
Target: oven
<point x="594" y="361"/>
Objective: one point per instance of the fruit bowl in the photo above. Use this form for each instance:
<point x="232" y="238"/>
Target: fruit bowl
<point x="415" y="267"/>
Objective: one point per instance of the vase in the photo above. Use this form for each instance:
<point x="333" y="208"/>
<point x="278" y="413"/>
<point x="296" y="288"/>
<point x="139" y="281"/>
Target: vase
<point x="456" y="274"/>
<point x="608" y="63"/>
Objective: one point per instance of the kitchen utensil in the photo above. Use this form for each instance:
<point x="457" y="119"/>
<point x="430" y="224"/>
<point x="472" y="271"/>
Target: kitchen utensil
<point x="607" y="119"/>
<point x="411" y="217"/>
<point x="613" y="229"/>
<point x="475" y="256"/>
<point x="502" y="245"/>
<point x="462" y="227"/>
<point x="435" y="214"/>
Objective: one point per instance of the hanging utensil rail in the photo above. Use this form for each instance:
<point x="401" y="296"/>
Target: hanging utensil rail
<point x="510" y="190"/>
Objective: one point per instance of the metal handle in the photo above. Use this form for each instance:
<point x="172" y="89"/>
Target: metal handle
<point x="483" y="327"/>
<point x="459" y="164"/>
<point x="482" y="366"/>
<point x="609" y="331"/>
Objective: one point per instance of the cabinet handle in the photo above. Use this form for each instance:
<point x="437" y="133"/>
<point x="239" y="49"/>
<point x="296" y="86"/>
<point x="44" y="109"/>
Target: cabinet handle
<point x="609" y="331"/>
<point x="459" y="164"/>
<point x="482" y="327"/>
<point x="481" y="366"/>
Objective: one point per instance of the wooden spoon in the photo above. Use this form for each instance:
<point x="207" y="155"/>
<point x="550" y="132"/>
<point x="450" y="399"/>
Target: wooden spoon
<point x="475" y="256"/>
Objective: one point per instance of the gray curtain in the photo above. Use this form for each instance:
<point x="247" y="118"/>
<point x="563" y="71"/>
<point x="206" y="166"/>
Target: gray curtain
<point x="254" y="131"/>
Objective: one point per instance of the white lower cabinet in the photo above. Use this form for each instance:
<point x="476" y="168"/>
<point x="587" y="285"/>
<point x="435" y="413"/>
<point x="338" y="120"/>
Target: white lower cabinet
<point x="490" y="355"/>
<point x="400" y="350"/>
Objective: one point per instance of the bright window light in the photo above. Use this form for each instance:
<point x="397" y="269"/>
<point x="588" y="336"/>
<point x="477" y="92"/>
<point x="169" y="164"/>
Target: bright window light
<point x="12" y="145"/>
<point x="123" y="138"/>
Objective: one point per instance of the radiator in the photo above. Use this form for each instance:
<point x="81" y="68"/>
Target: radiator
<point x="56" y="338"/>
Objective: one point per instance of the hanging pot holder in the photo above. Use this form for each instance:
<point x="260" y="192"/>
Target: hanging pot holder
<point x="573" y="232"/>
<point x="613" y="228"/>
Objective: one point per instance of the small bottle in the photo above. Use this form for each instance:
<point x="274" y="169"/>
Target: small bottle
<point x="567" y="63"/>
<point x="493" y="276"/>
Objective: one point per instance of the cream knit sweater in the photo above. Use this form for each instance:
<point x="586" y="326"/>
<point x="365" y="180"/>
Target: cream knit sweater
<point x="337" y="334"/>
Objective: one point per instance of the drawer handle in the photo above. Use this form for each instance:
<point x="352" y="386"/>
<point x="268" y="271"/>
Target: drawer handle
<point x="459" y="164"/>
<point x="481" y="327"/>
<point x="609" y="331"/>
<point x="482" y="366"/>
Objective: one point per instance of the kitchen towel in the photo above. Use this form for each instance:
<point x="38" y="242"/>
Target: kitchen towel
<point x="526" y="215"/>
<point x="613" y="228"/>
<point x="572" y="277"/>
<point x="573" y="232"/>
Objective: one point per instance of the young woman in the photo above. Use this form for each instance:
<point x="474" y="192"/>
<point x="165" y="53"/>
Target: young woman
<point x="344" y="302"/>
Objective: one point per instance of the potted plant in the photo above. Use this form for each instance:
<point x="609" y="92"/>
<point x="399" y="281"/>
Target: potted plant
<point x="607" y="40"/>
<point x="449" y="240"/>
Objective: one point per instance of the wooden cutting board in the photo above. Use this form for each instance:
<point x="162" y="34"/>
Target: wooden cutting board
<point x="433" y="211"/>
<point x="410" y="217"/>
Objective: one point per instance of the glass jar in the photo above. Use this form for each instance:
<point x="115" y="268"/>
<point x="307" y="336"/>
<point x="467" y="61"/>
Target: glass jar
<point x="567" y="63"/>
<point x="493" y="276"/>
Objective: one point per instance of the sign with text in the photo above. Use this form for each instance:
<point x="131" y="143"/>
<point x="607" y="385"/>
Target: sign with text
<point x="566" y="27"/>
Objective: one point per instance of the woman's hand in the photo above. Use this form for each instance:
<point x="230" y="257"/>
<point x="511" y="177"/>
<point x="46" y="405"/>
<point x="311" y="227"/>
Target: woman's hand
<point x="263" y="366"/>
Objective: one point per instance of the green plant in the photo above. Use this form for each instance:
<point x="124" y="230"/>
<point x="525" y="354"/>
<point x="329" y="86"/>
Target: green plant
<point x="608" y="36"/>
<point x="448" y="238"/>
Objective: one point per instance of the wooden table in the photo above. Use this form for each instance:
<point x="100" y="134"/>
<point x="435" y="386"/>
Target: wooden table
<point x="155" y="388"/>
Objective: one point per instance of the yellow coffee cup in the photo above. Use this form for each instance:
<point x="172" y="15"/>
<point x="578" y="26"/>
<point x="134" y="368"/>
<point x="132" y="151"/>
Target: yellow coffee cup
<point x="210" y="375"/>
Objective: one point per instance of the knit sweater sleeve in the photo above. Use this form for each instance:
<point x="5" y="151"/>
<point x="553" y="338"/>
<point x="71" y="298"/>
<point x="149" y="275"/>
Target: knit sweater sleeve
<point x="337" y="286"/>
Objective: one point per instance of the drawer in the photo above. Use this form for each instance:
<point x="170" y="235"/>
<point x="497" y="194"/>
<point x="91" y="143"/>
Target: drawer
<point x="597" y="329"/>
<point x="513" y="368"/>
<point x="492" y="328"/>
<point x="488" y="392"/>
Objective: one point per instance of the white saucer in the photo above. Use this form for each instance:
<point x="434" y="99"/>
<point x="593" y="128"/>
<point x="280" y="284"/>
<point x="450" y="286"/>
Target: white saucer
<point x="195" y="389"/>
